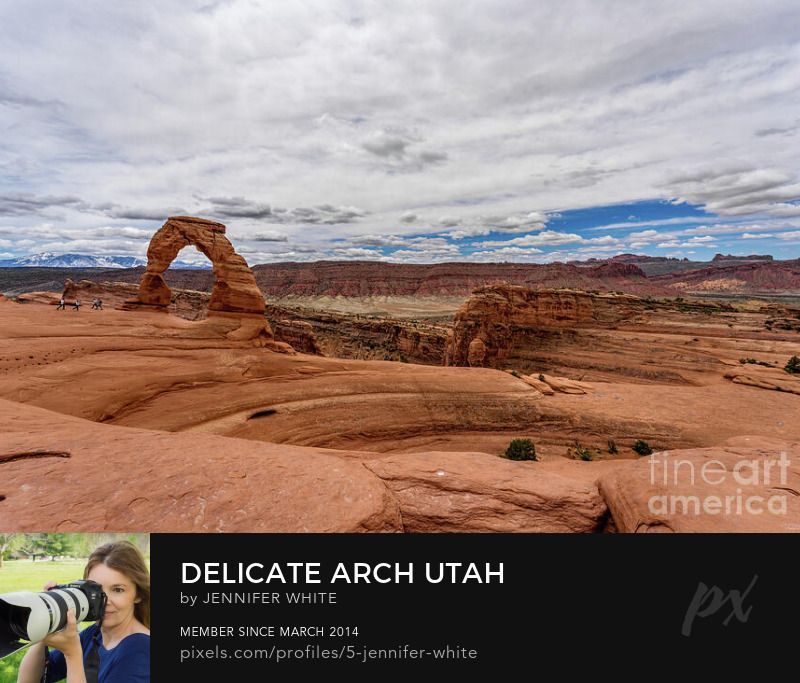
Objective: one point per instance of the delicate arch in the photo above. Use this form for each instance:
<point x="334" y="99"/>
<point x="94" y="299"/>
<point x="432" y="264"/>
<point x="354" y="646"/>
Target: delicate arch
<point x="235" y="289"/>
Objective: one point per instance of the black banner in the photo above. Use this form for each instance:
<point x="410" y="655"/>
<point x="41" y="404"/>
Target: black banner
<point x="247" y="606"/>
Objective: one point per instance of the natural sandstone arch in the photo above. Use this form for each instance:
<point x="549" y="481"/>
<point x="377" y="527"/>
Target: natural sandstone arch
<point x="235" y="289"/>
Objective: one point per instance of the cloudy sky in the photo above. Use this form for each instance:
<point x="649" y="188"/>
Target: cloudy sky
<point x="403" y="131"/>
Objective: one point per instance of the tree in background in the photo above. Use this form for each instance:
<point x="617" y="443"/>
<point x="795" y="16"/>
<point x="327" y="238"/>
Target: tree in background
<point x="9" y="543"/>
<point x="52" y="545"/>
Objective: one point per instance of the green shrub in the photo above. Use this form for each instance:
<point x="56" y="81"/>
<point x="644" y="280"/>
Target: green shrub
<point x="612" y="447"/>
<point x="753" y="361"/>
<point x="642" y="447"/>
<point x="541" y="377"/>
<point x="793" y="366"/>
<point x="582" y="453"/>
<point x="521" y="449"/>
<point x="516" y="374"/>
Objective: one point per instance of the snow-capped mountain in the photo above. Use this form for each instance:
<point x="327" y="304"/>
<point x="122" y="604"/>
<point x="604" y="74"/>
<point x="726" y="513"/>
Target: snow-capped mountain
<point x="52" y="260"/>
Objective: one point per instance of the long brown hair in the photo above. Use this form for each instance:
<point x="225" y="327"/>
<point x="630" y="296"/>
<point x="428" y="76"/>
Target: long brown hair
<point x="127" y="559"/>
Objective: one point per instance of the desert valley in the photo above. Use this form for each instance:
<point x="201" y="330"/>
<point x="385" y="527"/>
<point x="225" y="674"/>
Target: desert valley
<point x="366" y="396"/>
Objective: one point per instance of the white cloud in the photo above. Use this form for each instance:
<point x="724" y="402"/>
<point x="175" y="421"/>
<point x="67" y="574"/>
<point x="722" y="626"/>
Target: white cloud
<point x="732" y="190"/>
<point x="546" y="237"/>
<point x="354" y="252"/>
<point x="645" y="235"/>
<point x="693" y="242"/>
<point x="115" y="117"/>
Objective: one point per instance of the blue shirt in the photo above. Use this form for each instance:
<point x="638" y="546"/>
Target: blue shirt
<point x="128" y="662"/>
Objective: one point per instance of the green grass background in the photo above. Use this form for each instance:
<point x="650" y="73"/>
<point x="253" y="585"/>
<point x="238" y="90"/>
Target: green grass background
<point x="24" y="575"/>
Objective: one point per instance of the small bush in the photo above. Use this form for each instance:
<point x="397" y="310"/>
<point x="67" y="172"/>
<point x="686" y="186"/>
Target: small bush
<point x="582" y="453"/>
<point x="541" y="377"/>
<point x="793" y="366"/>
<point x="515" y="374"/>
<point x="642" y="447"/>
<point x="612" y="447"/>
<point x="753" y="361"/>
<point x="521" y="449"/>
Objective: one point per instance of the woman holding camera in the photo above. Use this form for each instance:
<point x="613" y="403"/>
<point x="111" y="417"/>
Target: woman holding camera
<point x="113" y="650"/>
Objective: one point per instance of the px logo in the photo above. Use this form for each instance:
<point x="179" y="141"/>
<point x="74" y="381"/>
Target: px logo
<point x="708" y="601"/>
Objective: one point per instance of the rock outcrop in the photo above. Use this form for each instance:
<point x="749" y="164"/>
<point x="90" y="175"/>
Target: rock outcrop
<point x="476" y="492"/>
<point x="349" y="335"/>
<point x="498" y="317"/>
<point x="206" y="483"/>
<point x="548" y="385"/>
<point x="299" y="334"/>
<point x="749" y="484"/>
<point x="236" y="302"/>
<point x="235" y="289"/>
<point x="183" y="303"/>
<point x="772" y="380"/>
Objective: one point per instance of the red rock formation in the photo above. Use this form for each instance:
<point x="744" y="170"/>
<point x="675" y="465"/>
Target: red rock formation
<point x="183" y="303"/>
<point x="203" y="483"/>
<point x="496" y="317"/>
<point x="299" y="334"/>
<point x="371" y="278"/>
<point x="736" y="492"/>
<point x="476" y="492"/>
<point x="740" y="277"/>
<point x="236" y="304"/>
<point x="58" y="472"/>
<point x="235" y="289"/>
<point x="763" y="378"/>
<point x="349" y="335"/>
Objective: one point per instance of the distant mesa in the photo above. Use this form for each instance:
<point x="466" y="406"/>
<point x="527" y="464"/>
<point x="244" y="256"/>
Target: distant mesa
<point x="751" y="257"/>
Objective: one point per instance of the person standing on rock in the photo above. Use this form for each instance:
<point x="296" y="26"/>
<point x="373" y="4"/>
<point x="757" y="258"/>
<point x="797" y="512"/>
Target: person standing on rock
<point x="77" y="305"/>
<point x="97" y="305"/>
<point x="62" y="305"/>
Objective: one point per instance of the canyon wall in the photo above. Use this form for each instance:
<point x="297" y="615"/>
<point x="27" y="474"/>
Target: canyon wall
<point x="497" y="319"/>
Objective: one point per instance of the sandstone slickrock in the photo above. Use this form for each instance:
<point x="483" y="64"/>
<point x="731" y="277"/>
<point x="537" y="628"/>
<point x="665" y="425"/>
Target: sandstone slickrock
<point x="477" y="492"/>
<point x="151" y="371"/>
<point x="59" y="473"/>
<point x="736" y="492"/>
<point x="66" y="474"/>
<point x="774" y="380"/>
<point x="549" y="385"/>
<point x="50" y="298"/>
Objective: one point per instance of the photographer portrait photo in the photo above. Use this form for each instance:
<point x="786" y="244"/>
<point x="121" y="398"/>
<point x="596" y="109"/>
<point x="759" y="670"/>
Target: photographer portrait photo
<point x="75" y="608"/>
